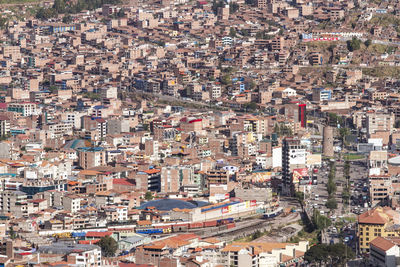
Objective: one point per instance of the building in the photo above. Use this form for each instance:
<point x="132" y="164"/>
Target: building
<point x="293" y="157"/>
<point x="90" y="157"/>
<point x="379" y="121"/>
<point x="76" y="254"/>
<point x="217" y="177"/>
<point x="315" y="58"/>
<point x="385" y="251"/>
<point x="374" y="223"/>
<point x="263" y="254"/>
<point x="321" y="94"/>
<point x="14" y="202"/>
<point x="303" y="115"/>
<point x="25" y="109"/>
<point x="4" y="125"/>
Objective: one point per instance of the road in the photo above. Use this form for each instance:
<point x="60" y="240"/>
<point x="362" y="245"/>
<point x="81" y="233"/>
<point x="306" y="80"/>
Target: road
<point x="359" y="196"/>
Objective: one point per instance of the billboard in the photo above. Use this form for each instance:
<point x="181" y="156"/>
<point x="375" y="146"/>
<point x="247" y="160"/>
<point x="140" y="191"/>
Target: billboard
<point x="261" y="177"/>
<point x="297" y="156"/>
<point x="298" y="174"/>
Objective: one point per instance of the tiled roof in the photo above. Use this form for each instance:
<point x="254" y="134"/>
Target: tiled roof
<point x="382" y="243"/>
<point x="375" y="216"/>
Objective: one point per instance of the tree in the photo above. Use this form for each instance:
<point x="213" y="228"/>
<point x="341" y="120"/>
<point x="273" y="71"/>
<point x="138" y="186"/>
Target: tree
<point x="59" y="6"/>
<point x="12" y="233"/>
<point x="250" y="106"/>
<point x="226" y="79"/>
<point x="277" y="129"/>
<point x="343" y="132"/>
<point x="354" y="44"/>
<point x="108" y="246"/>
<point x="232" y="32"/>
<point x="299" y="196"/>
<point x="148" y="195"/>
<point x="331" y="187"/>
<point x="46" y="13"/>
<point x="67" y="19"/>
<point x="3" y="22"/>
<point x="316" y="254"/>
<point x="320" y="221"/>
<point x="336" y="254"/>
<point x="331" y="203"/>
<point x="368" y="43"/>
<point x="217" y="5"/>
<point x="233" y="7"/>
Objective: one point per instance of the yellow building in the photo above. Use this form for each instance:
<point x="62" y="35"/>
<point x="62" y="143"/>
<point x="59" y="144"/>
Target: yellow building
<point x="377" y="222"/>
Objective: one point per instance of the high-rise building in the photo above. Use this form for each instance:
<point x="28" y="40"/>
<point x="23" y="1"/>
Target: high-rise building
<point x="90" y="157"/>
<point x="293" y="157"/>
<point x="376" y="222"/>
<point x="4" y="125"/>
<point x="303" y="115"/>
<point x="379" y="121"/>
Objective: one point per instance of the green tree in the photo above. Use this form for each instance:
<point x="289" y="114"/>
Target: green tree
<point x="331" y="187"/>
<point x="233" y="7"/>
<point x="354" y="44"/>
<point x="250" y="106"/>
<point x="245" y="32"/>
<point x="108" y="246"/>
<point x="277" y="129"/>
<point x="59" y="6"/>
<point x="3" y="22"/>
<point x="336" y="254"/>
<point x="226" y="79"/>
<point x="320" y="221"/>
<point x="232" y="32"/>
<point x="368" y="43"/>
<point x="343" y="132"/>
<point x="299" y="196"/>
<point x="148" y="195"/>
<point x="46" y="13"/>
<point x="331" y="203"/>
<point x="316" y="254"/>
<point x="217" y="5"/>
<point x="12" y="233"/>
<point x="67" y="19"/>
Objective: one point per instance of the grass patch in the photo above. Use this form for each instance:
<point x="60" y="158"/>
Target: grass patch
<point x="353" y="156"/>
<point x="17" y="1"/>
<point x="384" y="71"/>
<point x="312" y="238"/>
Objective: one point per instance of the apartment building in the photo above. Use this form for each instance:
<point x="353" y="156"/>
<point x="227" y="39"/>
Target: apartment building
<point x="379" y="121"/>
<point x="90" y="157"/>
<point x="374" y="223"/>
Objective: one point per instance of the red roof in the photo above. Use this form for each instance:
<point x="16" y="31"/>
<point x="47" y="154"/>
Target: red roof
<point x="98" y="234"/>
<point x="152" y="171"/>
<point x="88" y="242"/>
<point x="122" y="181"/>
<point x="196" y="120"/>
